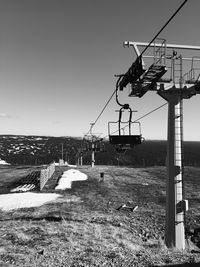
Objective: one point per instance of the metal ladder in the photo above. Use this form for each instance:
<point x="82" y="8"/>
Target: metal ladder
<point x="160" y="52"/>
<point x="178" y="80"/>
<point x="158" y="68"/>
<point x="193" y="75"/>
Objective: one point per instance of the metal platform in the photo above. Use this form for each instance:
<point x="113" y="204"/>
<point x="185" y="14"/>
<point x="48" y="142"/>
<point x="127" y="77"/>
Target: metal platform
<point x="154" y="73"/>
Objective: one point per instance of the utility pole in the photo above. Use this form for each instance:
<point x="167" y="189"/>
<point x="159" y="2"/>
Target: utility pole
<point x="61" y="161"/>
<point x="79" y="156"/>
<point x="93" y="160"/>
<point x="81" y="159"/>
<point x="173" y="87"/>
<point x="62" y="151"/>
<point x="92" y="144"/>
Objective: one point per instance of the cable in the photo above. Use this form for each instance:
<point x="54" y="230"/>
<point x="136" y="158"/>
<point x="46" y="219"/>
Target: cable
<point x="92" y="125"/>
<point x="150" y="112"/>
<point x="105" y="106"/>
<point x="163" y="27"/>
<point x="139" y="118"/>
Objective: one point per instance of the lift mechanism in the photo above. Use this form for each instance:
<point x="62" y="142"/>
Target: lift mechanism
<point x="153" y="78"/>
<point x="173" y="86"/>
<point x="92" y="143"/>
<point x="124" y="141"/>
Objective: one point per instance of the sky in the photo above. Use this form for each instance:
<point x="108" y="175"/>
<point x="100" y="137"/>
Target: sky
<point x="58" y="59"/>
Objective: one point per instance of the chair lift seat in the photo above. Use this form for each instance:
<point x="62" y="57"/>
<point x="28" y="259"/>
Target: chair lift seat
<point x="125" y="139"/>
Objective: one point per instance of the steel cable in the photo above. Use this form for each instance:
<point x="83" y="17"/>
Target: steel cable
<point x="168" y="21"/>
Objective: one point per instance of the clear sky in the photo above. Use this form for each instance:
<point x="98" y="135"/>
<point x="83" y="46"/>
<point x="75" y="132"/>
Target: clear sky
<point x="58" y="59"/>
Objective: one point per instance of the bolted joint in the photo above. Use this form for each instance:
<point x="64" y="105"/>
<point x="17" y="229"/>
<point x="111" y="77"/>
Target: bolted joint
<point x="126" y="106"/>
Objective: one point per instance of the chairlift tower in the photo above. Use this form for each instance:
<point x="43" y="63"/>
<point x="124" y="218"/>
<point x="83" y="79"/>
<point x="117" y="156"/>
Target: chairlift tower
<point x="163" y="72"/>
<point x="92" y="143"/>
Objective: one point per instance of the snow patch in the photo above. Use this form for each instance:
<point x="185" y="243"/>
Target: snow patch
<point x="65" y="164"/>
<point x="3" y="162"/>
<point x="68" y="177"/>
<point x="25" y="200"/>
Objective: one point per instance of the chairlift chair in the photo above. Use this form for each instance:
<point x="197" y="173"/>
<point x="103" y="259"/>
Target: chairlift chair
<point x="121" y="141"/>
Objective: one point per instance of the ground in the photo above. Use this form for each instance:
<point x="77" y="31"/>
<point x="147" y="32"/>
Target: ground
<point x="88" y="227"/>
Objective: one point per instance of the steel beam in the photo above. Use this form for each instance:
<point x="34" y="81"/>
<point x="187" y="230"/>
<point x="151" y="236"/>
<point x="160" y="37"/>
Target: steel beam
<point x="173" y="46"/>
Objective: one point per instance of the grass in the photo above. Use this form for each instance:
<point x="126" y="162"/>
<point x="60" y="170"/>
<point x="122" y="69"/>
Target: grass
<point x="86" y="229"/>
<point x="10" y="175"/>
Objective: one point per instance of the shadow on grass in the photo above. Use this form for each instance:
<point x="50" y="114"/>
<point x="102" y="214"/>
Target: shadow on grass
<point x="31" y="178"/>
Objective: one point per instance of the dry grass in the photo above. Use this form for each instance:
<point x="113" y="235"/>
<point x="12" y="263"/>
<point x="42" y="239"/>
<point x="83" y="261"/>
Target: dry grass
<point x="86" y="229"/>
<point x="12" y="174"/>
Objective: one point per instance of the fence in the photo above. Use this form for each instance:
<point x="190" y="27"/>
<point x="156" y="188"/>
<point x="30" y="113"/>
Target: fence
<point x="45" y="174"/>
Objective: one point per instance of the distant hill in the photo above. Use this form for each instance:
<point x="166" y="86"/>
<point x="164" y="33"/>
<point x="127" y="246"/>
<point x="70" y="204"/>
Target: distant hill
<point x="36" y="150"/>
<point x="19" y="149"/>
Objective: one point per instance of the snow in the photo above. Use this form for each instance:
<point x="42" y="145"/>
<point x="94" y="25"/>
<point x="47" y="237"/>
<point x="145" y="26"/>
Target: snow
<point x="68" y="177"/>
<point x="70" y="165"/>
<point x="30" y="199"/>
<point x="3" y="162"/>
<point x="25" y="200"/>
<point x="40" y="138"/>
<point x="65" y="164"/>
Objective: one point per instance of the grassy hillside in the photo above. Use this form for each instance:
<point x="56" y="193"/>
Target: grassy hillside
<point x="87" y="227"/>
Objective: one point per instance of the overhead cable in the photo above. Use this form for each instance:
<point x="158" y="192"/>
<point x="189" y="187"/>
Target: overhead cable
<point x="175" y="13"/>
<point x="150" y="112"/>
<point x="163" y="27"/>
<point x="92" y="125"/>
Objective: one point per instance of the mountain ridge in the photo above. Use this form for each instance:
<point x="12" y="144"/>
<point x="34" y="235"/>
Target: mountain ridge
<point x="37" y="149"/>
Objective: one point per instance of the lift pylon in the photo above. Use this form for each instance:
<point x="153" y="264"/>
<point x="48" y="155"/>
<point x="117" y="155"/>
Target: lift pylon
<point x="165" y="76"/>
<point x="92" y="143"/>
